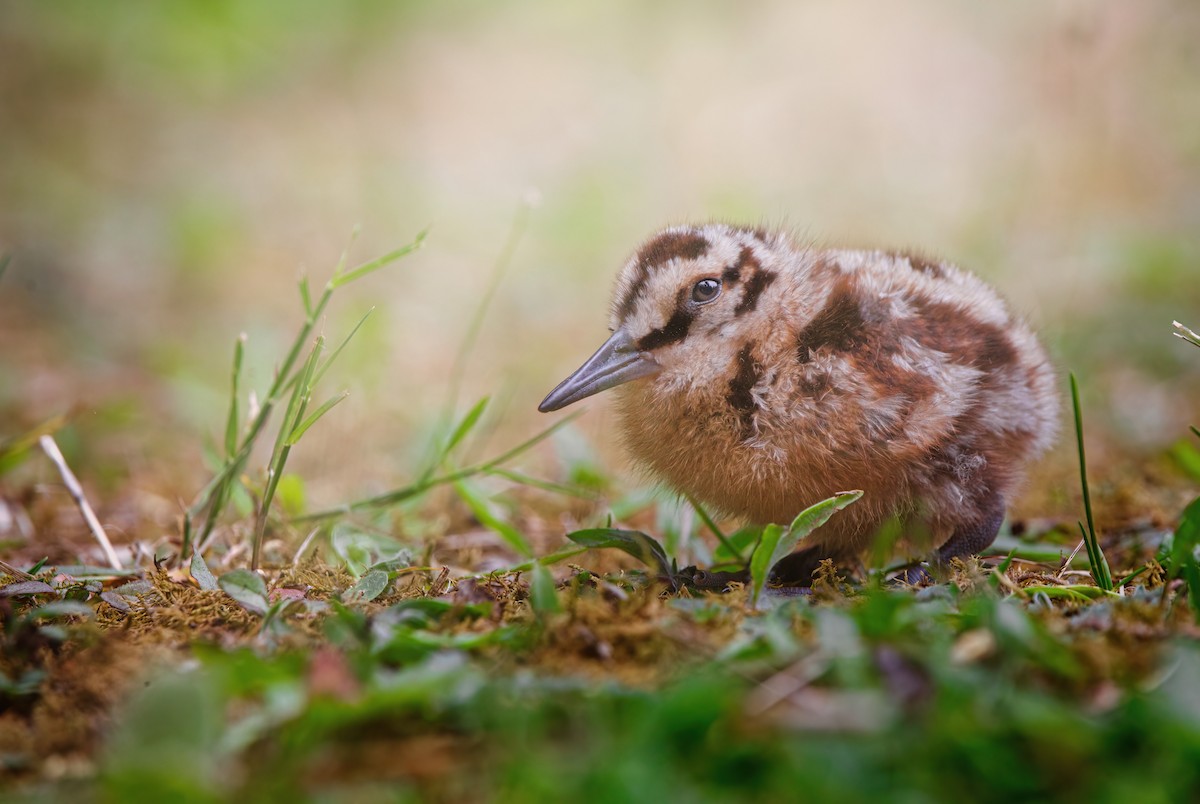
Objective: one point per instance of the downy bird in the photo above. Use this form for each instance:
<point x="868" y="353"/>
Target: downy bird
<point x="760" y="374"/>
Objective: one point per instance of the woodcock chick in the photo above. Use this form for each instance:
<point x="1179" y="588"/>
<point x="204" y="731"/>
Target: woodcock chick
<point x="761" y="375"/>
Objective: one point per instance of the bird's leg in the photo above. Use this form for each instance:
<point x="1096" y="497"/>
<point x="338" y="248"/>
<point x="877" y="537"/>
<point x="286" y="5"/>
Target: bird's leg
<point x="968" y="539"/>
<point x="798" y="568"/>
<point x="974" y="537"/>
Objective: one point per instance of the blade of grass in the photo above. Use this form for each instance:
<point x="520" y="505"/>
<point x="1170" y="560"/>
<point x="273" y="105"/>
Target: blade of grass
<point x="716" y="531"/>
<point x="549" y="558"/>
<point x="499" y="269"/>
<point x="1100" y="571"/>
<point x="4" y="261"/>
<point x="279" y="455"/>
<point x="545" y="485"/>
<point x="334" y="354"/>
<point x="215" y="494"/>
<point x="11" y="448"/>
<point x="231" y="423"/>
<point x="302" y="428"/>
<point x="464" y="426"/>
<point x="345" y="278"/>
<point x="458" y="368"/>
<point x="399" y="495"/>
<point x="306" y="295"/>
<point x="483" y="512"/>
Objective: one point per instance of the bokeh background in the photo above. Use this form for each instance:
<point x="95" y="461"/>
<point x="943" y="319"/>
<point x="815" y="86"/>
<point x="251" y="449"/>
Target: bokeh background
<point x="168" y="171"/>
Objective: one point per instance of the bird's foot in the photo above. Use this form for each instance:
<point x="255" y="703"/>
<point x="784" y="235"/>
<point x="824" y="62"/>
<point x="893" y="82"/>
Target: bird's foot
<point x="918" y="575"/>
<point x="708" y="581"/>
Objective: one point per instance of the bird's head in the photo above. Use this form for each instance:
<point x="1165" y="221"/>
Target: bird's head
<point x="683" y="306"/>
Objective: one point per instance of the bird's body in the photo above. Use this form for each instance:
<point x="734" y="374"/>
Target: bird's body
<point x="761" y="376"/>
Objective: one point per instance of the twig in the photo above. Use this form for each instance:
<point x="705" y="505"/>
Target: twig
<point x="50" y="447"/>
<point x="16" y="572"/>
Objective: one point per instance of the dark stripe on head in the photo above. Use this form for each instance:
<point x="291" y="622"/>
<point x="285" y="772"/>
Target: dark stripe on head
<point x="660" y="250"/>
<point x="756" y="283"/>
<point x="839" y="326"/>
<point x="740" y="398"/>
<point x="675" y="330"/>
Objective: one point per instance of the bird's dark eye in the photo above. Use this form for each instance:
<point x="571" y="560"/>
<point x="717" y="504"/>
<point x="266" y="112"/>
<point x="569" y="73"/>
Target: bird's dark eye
<point x="706" y="290"/>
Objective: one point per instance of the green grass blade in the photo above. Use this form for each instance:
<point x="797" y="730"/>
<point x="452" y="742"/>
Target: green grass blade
<point x="306" y="296"/>
<point x="548" y="559"/>
<point x="475" y="324"/>
<point x="732" y="548"/>
<point x="464" y="427"/>
<point x="302" y="428"/>
<point x="777" y="542"/>
<point x="1195" y="430"/>
<point x="399" y="495"/>
<point x="279" y="455"/>
<point x="566" y="490"/>
<point x="4" y="261"/>
<point x="483" y="512"/>
<point x="528" y="444"/>
<point x="231" y="423"/>
<point x="334" y="354"/>
<point x="1136" y="573"/>
<point x="1100" y="571"/>
<point x="340" y="278"/>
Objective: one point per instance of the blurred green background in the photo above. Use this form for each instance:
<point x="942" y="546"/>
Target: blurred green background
<point x="169" y="169"/>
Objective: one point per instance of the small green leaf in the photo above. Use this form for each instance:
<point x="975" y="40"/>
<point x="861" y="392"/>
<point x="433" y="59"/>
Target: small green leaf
<point x="763" y="558"/>
<point x="61" y="608"/>
<point x="777" y="542"/>
<point x="369" y="587"/>
<point x="290" y="493"/>
<point x="201" y="574"/>
<point x="633" y="542"/>
<point x="542" y="594"/>
<point x="247" y="588"/>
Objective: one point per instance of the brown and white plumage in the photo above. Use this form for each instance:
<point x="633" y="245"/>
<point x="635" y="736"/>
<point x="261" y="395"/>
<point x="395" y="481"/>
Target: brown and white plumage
<point x="811" y="371"/>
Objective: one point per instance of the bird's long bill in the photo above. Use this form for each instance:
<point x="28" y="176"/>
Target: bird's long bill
<point x="617" y="361"/>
